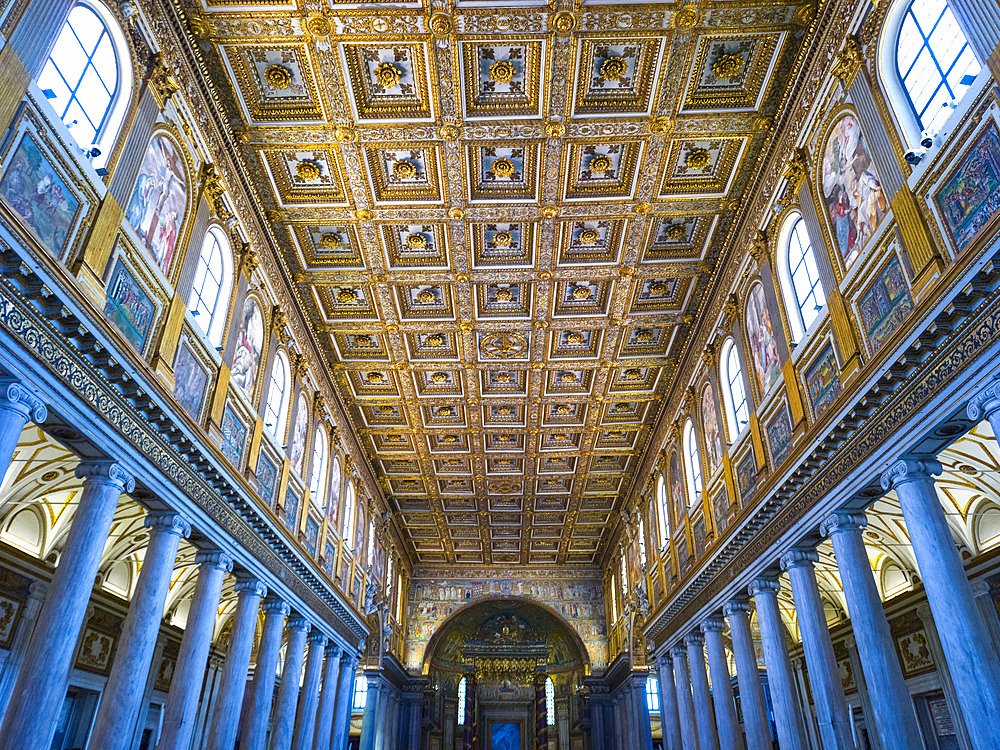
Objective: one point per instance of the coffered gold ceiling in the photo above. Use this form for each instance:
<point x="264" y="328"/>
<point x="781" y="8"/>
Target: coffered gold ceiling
<point x="501" y="219"/>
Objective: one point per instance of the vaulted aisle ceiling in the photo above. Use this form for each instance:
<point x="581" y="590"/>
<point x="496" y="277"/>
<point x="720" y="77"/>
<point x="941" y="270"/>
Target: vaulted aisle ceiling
<point x="501" y="224"/>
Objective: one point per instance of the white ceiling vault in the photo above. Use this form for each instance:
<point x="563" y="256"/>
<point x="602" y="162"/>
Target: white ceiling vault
<point x="501" y="218"/>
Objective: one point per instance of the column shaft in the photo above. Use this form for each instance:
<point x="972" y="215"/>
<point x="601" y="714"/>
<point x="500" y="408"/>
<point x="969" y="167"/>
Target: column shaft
<point x="643" y="729"/>
<point x="305" y="714"/>
<point x="38" y="693"/>
<point x="730" y="735"/>
<point x="685" y="707"/>
<point x="669" y="721"/>
<point x="894" y="717"/>
<point x="368" y="719"/>
<point x="121" y="701"/>
<point x="327" y="699"/>
<point x="17" y="406"/>
<point x="262" y="690"/>
<point x="345" y="699"/>
<point x="972" y="660"/>
<point x="189" y="672"/>
<point x="784" y="697"/>
<point x="288" y="689"/>
<point x="748" y="676"/>
<point x="824" y="677"/>
<point x="12" y="667"/>
<point x="226" y="717"/>
<point x="708" y="738"/>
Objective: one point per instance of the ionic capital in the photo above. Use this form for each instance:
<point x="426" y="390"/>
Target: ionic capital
<point x="215" y="559"/>
<point x="299" y="623"/>
<point x="14" y="396"/>
<point x="106" y="472"/>
<point x="252" y="587"/>
<point x="678" y="652"/>
<point x="317" y="637"/>
<point x="764" y="585"/>
<point x="738" y="607"/>
<point x="694" y="639"/>
<point x="713" y="625"/>
<point x="909" y="470"/>
<point x="277" y="607"/>
<point x="798" y="557"/>
<point x="168" y="523"/>
<point x="333" y="651"/>
<point x="987" y="401"/>
<point x="843" y="520"/>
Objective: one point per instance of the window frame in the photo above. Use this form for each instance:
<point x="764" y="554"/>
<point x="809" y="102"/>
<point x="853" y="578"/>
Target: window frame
<point x="692" y="462"/>
<point x="653" y="694"/>
<point x="662" y="509"/>
<point x="794" y="307"/>
<point x="460" y="714"/>
<point x="319" y="469"/>
<point x="733" y="421"/>
<point x="215" y="331"/>
<point x="360" y="689"/>
<point x="550" y="702"/>
<point x="280" y="424"/>
<point x="347" y="528"/>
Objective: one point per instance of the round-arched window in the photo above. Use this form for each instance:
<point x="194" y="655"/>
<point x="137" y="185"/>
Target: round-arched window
<point x="800" y="283"/>
<point x="276" y="408"/>
<point x="661" y="509"/>
<point x="692" y="462"/>
<point x="213" y="283"/>
<point x="734" y="394"/>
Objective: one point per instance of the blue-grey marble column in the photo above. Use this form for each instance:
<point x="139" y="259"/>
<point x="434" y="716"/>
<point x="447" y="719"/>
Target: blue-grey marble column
<point x="730" y="735"/>
<point x="704" y="714"/>
<point x="18" y="405"/>
<point x="189" y="672"/>
<point x="824" y="677"/>
<point x="288" y="689"/>
<point x="345" y="698"/>
<point x="788" y="720"/>
<point x="327" y="699"/>
<point x="640" y="708"/>
<point x="30" y="720"/>
<point x="894" y="717"/>
<point x="737" y="611"/>
<point x="226" y="717"/>
<point x="373" y="707"/>
<point x="669" y="720"/>
<point x="262" y="691"/>
<point x="121" y="700"/>
<point x="12" y="666"/>
<point x="685" y="706"/>
<point x="305" y="714"/>
<point x="965" y="640"/>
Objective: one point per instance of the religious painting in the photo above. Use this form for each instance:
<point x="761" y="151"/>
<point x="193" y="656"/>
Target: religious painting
<point x="852" y="190"/>
<point x="683" y="557"/>
<point x="291" y="514"/>
<point x="710" y="421"/>
<point x="249" y="342"/>
<point x="267" y="478"/>
<point x="886" y="304"/>
<point x="971" y="196"/>
<point x="763" y="346"/>
<point x="190" y="380"/>
<point x="677" y="488"/>
<point x="779" y="434"/>
<point x="234" y="436"/>
<point x="746" y="476"/>
<point x="156" y="209"/>
<point x="505" y="735"/>
<point x="312" y="536"/>
<point x="700" y="534"/>
<point x="720" y="509"/>
<point x="128" y="308"/>
<point x="823" y="381"/>
<point x="329" y="556"/>
<point x="299" y="434"/>
<point x="34" y="189"/>
<point x="333" y="498"/>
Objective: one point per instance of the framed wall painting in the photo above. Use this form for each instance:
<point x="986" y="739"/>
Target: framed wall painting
<point x="128" y="307"/>
<point x="159" y="200"/>
<point x="249" y="346"/>
<point x="779" y="434"/>
<point x="746" y="476"/>
<point x="234" y="437"/>
<point x="720" y="509"/>
<point x="969" y="199"/>
<point x="885" y="304"/>
<point x="312" y="535"/>
<point x="190" y="379"/>
<point x="760" y="336"/>
<point x="822" y="380"/>
<point x="291" y="510"/>
<point x="267" y="478"/>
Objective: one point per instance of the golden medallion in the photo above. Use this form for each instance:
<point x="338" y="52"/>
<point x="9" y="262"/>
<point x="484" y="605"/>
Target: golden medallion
<point x="278" y="77"/>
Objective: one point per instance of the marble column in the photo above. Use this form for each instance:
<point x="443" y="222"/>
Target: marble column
<point x="730" y="735"/>
<point x="983" y="590"/>
<point x="189" y="672"/>
<point x="121" y="700"/>
<point x="972" y="660"/>
<point x="894" y="717"/>
<point x="669" y="720"/>
<point x="12" y="666"/>
<point x="305" y="714"/>
<point x="18" y="405"/>
<point x="372" y="708"/>
<point x="824" y="677"/>
<point x="38" y="693"/>
<point x="327" y="699"/>
<point x="685" y="707"/>
<point x="288" y="689"/>
<point x="788" y="720"/>
<point x="226" y="717"/>
<point x="755" y="724"/>
<point x="704" y="715"/>
<point x="345" y="698"/>
<point x="640" y="708"/>
<point x="415" y="721"/>
<point x="262" y="691"/>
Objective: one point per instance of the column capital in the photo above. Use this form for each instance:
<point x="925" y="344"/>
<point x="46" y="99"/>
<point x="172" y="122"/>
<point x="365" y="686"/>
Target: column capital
<point x="252" y="586"/>
<point x="168" y="523"/>
<point x="736" y="607"/>
<point x="985" y="402"/>
<point x="798" y="557"/>
<point x="299" y="623"/>
<point x="713" y="625"/>
<point x="215" y="559"/>
<point x="909" y="470"/>
<point x="108" y="472"/>
<point x="663" y="662"/>
<point x="678" y="651"/>
<point x="16" y="397"/>
<point x="277" y="606"/>
<point x="317" y="637"/>
<point x="843" y="520"/>
<point x="981" y="587"/>
<point x="764" y="585"/>
<point x="694" y="639"/>
<point x="333" y="651"/>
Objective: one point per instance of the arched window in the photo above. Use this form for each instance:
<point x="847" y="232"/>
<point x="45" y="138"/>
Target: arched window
<point x="614" y="602"/>
<point x="933" y="59"/>
<point x="550" y="702"/>
<point x="642" y="542"/>
<point x="624" y="577"/>
<point x="692" y="462"/>
<point x="652" y="695"/>
<point x="461" y="701"/>
<point x="347" y="527"/>
<point x="370" y="555"/>
<point x="317" y="490"/>
<point x="276" y="409"/>
<point x="213" y="283"/>
<point x="800" y="283"/>
<point x="661" y="509"/>
<point x="88" y="78"/>
<point x="734" y="395"/>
